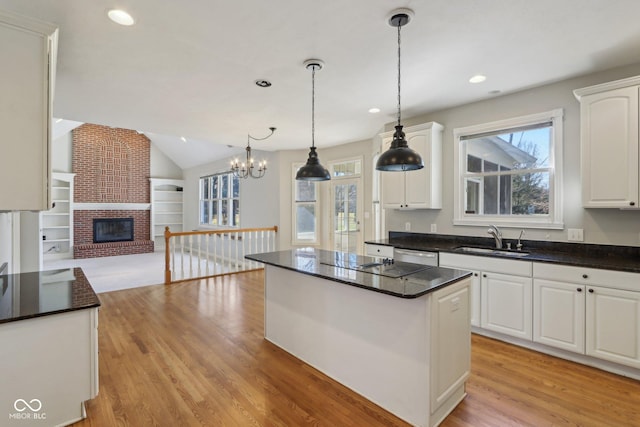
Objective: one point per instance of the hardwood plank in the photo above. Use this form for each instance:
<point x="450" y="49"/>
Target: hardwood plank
<point x="193" y="354"/>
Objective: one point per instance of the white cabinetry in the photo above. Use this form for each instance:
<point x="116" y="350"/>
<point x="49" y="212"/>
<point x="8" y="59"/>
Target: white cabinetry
<point x="506" y="304"/>
<point x="57" y="223"/>
<point x="558" y="314"/>
<point x="53" y="359"/>
<point x="27" y="49"/>
<point x="420" y="189"/>
<point x="613" y="325"/>
<point x="166" y="208"/>
<point x="500" y="292"/>
<point x="590" y="311"/>
<point x="609" y="144"/>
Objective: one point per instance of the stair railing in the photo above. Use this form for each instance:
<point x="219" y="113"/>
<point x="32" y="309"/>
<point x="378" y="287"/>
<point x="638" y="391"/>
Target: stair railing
<point x="193" y="255"/>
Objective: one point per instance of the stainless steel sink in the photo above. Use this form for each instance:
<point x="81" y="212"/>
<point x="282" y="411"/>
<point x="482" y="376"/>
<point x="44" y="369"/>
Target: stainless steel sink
<point x="490" y="251"/>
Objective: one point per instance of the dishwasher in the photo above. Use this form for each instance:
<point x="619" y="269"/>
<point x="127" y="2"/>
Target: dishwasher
<point x="415" y="257"/>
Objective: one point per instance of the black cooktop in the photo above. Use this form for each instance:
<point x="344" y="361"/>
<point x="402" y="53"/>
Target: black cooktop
<point x="377" y="266"/>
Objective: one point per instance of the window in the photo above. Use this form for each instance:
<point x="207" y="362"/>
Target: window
<point x="509" y="173"/>
<point x="305" y="211"/>
<point x="220" y="200"/>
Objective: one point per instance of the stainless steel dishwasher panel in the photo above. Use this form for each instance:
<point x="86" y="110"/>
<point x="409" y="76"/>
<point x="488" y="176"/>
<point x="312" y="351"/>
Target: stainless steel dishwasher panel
<point x="416" y="257"/>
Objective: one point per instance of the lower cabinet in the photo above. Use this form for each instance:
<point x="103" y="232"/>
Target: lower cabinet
<point x="559" y="313"/>
<point x="588" y="311"/>
<point x="506" y="304"/>
<point x="613" y="325"/>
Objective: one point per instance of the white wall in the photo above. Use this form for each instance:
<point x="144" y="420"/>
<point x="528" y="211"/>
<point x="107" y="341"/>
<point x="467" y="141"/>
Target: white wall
<point x="161" y="166"/>
<point x="604" y="226"/>
<point x="61" y="153"/>
<point x="259" y="198"/>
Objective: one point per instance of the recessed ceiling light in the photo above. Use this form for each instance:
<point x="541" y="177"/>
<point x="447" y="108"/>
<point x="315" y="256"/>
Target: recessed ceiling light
<point x="183" y="139"/>
<point x="58" y="120"/>
<point x="263" y="83"/>
<point x="478" y="78"/>
<point x="120" y="17"/>
<point x="374" y="110"/>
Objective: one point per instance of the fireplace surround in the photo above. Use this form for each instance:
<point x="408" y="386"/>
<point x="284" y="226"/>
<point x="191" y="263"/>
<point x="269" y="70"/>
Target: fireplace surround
<point x="106" y="230"/>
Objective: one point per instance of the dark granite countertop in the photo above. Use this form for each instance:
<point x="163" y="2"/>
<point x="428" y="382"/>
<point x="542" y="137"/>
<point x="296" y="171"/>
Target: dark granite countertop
<point x="608" y="257"/>
<point x="42" y="293"/>
<point x="400" y="279"/>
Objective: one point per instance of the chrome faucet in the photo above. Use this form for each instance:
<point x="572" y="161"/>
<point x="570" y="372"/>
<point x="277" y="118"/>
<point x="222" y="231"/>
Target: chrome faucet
<point x="519" y="245"/>
<point x="497" y="235"/>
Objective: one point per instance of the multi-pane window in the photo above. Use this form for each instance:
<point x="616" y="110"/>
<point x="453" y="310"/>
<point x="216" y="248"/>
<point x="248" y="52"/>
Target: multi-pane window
<point x="305" y="211"/>
<point x="220" y="200"/>
<point x="509" y="172"/>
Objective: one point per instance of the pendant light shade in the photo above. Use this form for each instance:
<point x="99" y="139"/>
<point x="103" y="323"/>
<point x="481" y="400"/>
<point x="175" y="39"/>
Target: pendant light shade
<point x="399" y="157"/>
<point x="313" y="170"/>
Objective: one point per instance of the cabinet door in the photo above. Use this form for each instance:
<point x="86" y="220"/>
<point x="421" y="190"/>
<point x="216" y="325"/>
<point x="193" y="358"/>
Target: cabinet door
<point x="25" y="113"/>
<point x="393" y="195"/>
<point x="450" y="341"/>
<point x="609" y="139"/>
<point x="613" y="325"/>
<point x="416" y="182"/>
<point x="558" y="314"/>
<point x="506" y="304"/>
<point x="475" y="298"/>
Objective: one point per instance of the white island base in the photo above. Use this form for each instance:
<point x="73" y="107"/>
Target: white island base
<point x="409" y="356"/>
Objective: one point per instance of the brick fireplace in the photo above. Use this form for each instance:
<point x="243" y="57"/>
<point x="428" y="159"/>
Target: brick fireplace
<point x="112" y="168"/>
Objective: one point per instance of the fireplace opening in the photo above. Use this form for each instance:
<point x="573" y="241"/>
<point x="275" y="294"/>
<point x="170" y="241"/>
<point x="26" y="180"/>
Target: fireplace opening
<point x="112" y="230"/>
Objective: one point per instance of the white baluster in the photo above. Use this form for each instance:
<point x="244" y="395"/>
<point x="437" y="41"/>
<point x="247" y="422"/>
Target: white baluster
<point x="182" y="257"/>
<point x="236" y="260"/>
<point x="208" y="242"/>
<point x="215" y="254"/>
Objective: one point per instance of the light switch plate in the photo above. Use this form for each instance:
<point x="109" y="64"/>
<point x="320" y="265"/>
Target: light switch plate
<point x="575" y="235"/>
<point x="407" y="226"/>
<point x="434" y="228"/>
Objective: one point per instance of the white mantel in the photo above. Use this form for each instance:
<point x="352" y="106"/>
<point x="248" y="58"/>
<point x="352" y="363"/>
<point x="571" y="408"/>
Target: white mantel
<point x="112" y="206"/>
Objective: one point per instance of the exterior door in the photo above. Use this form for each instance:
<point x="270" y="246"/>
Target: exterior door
<point x="345" y="215"/>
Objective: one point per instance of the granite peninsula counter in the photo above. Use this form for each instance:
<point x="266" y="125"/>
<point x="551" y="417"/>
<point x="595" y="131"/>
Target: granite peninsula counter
<point x="49" y="351"/>
<point x="396" y="333"/>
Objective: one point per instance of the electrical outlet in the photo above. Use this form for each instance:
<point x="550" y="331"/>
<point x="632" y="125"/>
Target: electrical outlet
<point x="407" y="226"/>
<point x="575" y="235"/>
<point x="434" y="228"/>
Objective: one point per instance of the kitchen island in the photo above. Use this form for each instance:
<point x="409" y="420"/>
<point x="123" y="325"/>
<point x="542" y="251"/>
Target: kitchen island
<point x="49" y="347"/>
<point x="396" y="333"/>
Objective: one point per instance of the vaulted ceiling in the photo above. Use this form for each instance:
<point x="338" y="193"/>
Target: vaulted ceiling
<point x="187" y="68"/>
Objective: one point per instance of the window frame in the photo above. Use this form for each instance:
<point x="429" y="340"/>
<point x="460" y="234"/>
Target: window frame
<point x="554" y="220"/>
<point x="294" y="211"/>
<point x="217" y="200"/>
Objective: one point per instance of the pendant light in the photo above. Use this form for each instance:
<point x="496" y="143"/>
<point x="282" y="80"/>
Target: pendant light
<point x="313" y="170"/>
<point x="399" y="157"/>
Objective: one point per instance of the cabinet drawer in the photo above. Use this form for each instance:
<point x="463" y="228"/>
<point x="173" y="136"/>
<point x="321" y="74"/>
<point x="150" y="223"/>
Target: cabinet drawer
<point x="379" y="250"/>
<point x="587" y="276"/>
<point x="495" y="265"/>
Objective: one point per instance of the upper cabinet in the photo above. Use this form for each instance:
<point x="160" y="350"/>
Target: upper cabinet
<point x="609" y="144"/>
<point x="420" y="189"/>
<point x="27" y="49"/>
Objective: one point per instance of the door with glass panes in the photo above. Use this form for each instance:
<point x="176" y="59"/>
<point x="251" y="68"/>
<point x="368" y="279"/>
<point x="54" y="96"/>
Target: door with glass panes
<point x="345" y="215"/>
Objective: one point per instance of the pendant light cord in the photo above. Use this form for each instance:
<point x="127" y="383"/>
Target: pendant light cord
<point x="399" y="25"/>
<point x="313" y="105"/>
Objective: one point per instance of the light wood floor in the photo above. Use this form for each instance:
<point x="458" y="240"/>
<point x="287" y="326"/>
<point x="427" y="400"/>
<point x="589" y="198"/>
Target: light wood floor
<point x="193" y="354"/>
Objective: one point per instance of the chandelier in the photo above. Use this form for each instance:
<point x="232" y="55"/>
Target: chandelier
<point x="248" y="168"/>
